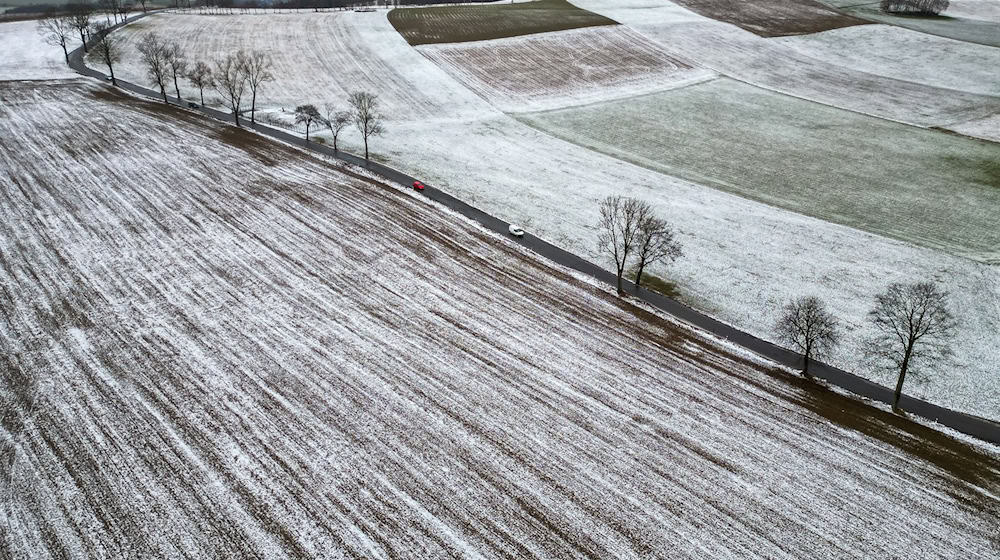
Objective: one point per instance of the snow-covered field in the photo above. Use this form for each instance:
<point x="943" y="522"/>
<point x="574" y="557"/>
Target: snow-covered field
<point x="740" y="54"/>
<point x="900" y="53"/>
<point x="563" y="68"/>
<point x="216" y="347"/>
<point x="924" y="186"/>
<point x="743" y="258"/>
<point x="328" y="56"/>
<point x="26" y="56"/>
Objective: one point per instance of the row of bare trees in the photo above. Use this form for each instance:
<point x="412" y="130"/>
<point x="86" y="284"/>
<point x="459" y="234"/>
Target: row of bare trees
<point x="364" y="115"/>
<point x="912" y="324"/>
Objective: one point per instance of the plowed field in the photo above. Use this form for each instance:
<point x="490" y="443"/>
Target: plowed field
<point x="216" y="347"/>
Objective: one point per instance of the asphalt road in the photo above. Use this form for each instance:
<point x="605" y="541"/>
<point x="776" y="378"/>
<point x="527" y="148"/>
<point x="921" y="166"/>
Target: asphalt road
<point x="971" y="425"/>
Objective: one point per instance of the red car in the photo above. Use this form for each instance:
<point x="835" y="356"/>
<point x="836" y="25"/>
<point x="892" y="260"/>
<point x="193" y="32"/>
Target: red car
<point x="418" y="185"/>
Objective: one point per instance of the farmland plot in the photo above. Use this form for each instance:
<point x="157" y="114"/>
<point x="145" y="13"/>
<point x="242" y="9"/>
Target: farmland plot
<point x="921" y="186"/>
<point x="27" y="57"/>
<point x="329" y="56"/>
<point x="247" y="353"/>
<point x="973" y="22"/>
<point x="906" y="55"/>
<point x="554" y="187"/>
<point x="773" y="18"/>
<point x="742" y="55"/>
<point x="551" y="70"/>
<point x="454" y="24"/>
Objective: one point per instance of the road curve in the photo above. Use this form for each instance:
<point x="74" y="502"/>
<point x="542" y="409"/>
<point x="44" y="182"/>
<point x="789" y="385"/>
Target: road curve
<point x="975" y="426"/>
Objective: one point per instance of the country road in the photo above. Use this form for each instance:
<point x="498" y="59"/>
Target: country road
<point x="980" y="428"/>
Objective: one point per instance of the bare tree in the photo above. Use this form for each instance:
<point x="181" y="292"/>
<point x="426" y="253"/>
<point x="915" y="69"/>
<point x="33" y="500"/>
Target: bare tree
<point x="807" y="325"/>
<point x="309" y="115"/>
<point x="81" y="21"/>
<point x="619" y="230"/>
<point x="336" y="121"/>
<point x="143" y="4"/>
<point x="123" y="9"/>
<point x="656" y="242"/>
<point x="110" y="9"/>
<point x="153" y="53"/>
<point x="366" y="115"/>
<point x="176" y="64"/>
<point x="230" y="81"/>
<point x="913" y="323"/>
<point x="56" y="31"/>
<point x="108" y="48"/>
<point x="257" y="68"/>
<point x="201" y="77"/>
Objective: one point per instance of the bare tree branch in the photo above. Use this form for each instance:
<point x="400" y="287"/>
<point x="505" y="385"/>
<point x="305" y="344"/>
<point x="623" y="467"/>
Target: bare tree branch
<point x="905" y="315"/>
<point x="806" y="324"/>
<point x="619" y="229"/>
<point x="308" y="115"/>
<point x="656" y="242"/>
<point x="231" y="81"/>
<point x="153" y="53"/>
<point x="367" y="117"/>
<point x="56" y="31"/>
<point x="336" y="121"/>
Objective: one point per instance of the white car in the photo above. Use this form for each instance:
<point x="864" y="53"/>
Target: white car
<point x="516" y="230"/>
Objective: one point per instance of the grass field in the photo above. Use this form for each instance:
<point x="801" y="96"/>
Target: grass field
<point x="975" y="29"/>
<point x="921" y="186"/>
<point x="905" y="55"/>
<point x="216" y="347"/>
<point x="454" y="24"/>
<point x="769" y="64"/>
<point x="773" y="18"/>
<point x="552" y="70"/>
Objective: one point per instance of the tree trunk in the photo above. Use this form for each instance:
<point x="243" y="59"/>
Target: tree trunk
<point x="366" y="147"/>
<point x="902" y="376"/>
<point x="335" y="142"/>
<point x="236" y="116"/>
<point x="253" y="107"/>
<point x="307" y="132"/>
<point x="621" y="272"/>
<point x="638" y="277"/>
<point x="201" y="95"/>
<point x="805" y="364"/>
<point x="65" y="53"/>
<point x="84" y="41"/>
<point x="163" y="92"/>
<point x="112" y="72"/>
<point x="177" y="89"/>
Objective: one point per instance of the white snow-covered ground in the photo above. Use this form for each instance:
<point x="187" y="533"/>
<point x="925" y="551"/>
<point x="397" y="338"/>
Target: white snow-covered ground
<point x="904" y="54"/>
<point x="984" y="10"/>
<point x="26" y="55"/>
<point x="743" y="259"/>
<point x="217" y="347"/>
<point x="987" y="128"/>
<point x="742" y="55"/>
<point x="563" y="68"/>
